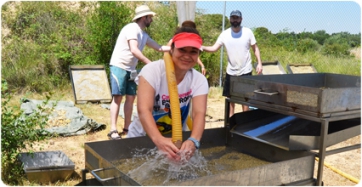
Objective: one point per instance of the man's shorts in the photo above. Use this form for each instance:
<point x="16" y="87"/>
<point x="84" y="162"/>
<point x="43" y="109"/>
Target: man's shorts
<point x="226" y="90"/>
<point x="120" y="83"/>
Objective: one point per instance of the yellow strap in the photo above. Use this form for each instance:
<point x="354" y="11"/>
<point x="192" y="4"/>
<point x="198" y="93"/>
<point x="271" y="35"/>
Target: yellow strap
<point x="189" y="122"/>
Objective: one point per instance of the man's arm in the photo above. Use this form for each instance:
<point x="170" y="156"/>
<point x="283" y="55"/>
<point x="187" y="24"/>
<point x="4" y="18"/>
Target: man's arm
<point x="133" y="46"/>
<point x="212" y="49"/>
<point x="259" y="67"/>
<point x="154" y="45"/>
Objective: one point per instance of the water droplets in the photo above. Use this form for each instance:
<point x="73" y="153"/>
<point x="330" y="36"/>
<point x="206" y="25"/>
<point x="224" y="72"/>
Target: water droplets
<point x="158" y="167"/>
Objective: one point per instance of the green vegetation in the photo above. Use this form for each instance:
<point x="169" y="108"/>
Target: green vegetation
<point x="18" y="130"/>
<point x="104" y="25"/>
<point x="40" y="40"/>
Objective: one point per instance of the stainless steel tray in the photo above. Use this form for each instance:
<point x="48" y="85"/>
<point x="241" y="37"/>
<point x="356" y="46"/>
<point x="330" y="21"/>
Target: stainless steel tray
<point x="47" y="166"/>
<point x="314" y="94"/>
<point x="272" y="68"/>
<point x="286" y="167"/>
<point x="301" y="68"/>
<point x="289" y="132"/>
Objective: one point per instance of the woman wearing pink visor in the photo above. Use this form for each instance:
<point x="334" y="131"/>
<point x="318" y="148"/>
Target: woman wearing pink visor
<point x="153" y="103"/>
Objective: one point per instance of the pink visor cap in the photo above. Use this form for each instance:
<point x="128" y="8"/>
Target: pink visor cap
<point x="186" y="39"/>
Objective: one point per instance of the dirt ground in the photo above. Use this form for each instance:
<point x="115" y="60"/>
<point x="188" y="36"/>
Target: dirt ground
<point x="347" y="163"/>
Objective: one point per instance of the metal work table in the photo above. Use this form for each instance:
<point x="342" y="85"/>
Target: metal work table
<point x="324" y="121"/>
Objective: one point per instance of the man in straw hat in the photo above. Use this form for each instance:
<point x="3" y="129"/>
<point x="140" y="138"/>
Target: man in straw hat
<point x="125" y="56"/>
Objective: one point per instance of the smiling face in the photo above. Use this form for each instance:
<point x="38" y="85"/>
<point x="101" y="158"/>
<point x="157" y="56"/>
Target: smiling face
<point x="185" y="49"/>
<point x="185" y="58"/>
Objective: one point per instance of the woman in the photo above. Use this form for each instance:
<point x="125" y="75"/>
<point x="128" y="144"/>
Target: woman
<point x="189" y="23"/>
<point x="153" y="104"/>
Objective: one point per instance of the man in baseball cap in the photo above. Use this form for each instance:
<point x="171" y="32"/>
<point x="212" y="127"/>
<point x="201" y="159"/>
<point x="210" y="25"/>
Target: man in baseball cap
<point x="238" y="40"/>
<point x="235" y="18"/>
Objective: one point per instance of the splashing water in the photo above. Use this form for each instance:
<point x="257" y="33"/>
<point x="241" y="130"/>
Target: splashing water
<point x="158" y="167"/>
<point x="149" y="167"/>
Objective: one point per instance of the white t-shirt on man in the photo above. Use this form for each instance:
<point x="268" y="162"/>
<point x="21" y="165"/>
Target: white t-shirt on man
<point x="238" y="50"/>
<point x="122" y="56"/>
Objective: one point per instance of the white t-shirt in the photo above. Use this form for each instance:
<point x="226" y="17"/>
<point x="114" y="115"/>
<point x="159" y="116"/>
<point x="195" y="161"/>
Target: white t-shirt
<point x="193" y="84"/>
<point x="122" y="56"/>
<point x="238" y="50"/>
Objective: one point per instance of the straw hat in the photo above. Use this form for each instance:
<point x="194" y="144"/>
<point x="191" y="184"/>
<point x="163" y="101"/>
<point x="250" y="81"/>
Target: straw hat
<point x="141" y="11"/>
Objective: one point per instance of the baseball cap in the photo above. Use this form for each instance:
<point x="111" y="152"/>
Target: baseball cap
<point x="235" y="13"/>
<point x="186" y="39"/>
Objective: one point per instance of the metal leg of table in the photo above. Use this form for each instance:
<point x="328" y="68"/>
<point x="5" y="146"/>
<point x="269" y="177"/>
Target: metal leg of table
<point x="322" y="150"/>
<point x="84" y="178"/>
<point x="227" y="118"/>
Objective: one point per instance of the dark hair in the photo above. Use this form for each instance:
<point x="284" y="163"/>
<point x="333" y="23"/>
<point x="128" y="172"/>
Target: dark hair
<point x="187" y="29"/>
<point x="188" y="23"/>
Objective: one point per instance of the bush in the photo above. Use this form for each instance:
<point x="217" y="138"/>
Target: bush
<point x="44" y="39"/>
<point x="336" y="45"/>
<point x="307" y="45"/>
<point x="335" y="49"/>
<point x="18" y="130"/>
<point x="104" y="26"/>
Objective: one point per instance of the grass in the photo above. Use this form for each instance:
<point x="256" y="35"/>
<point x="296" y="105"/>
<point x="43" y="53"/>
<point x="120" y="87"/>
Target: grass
<point x="215" y="93"/>
<point x="323" y="64"/>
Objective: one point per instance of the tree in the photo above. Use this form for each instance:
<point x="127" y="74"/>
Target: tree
<point x="265" y="38"/>
<point x="336" y="45"/>
<point x="320" y="36"/>
<point x="104" y="26"/>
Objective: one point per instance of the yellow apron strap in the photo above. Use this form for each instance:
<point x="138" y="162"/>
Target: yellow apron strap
<point x="189" y="122"/>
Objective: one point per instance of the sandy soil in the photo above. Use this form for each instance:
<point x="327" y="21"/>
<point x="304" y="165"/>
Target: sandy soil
<point x="347" y="162"/>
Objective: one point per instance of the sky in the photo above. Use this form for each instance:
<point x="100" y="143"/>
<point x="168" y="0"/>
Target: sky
<point x="292" y="16"/>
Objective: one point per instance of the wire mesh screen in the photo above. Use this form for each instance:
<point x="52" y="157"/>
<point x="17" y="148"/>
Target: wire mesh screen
<point x="290" y="16"/>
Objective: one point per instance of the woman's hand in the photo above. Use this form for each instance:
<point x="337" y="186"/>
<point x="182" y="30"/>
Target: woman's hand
<point x="188" y="148"/>
<point x="166" y="146"/>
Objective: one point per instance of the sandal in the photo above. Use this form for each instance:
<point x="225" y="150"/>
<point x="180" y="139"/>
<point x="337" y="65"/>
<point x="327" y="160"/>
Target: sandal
<point x="113" y="138"/>
<point x="125" y="132"/>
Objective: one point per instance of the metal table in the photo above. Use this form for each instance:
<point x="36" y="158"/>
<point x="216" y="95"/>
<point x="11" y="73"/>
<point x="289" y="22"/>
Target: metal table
<point x="322" y="153"/>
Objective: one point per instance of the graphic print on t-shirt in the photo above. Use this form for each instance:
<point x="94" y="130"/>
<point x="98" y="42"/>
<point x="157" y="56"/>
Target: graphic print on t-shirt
<point x="162" y="111"/>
